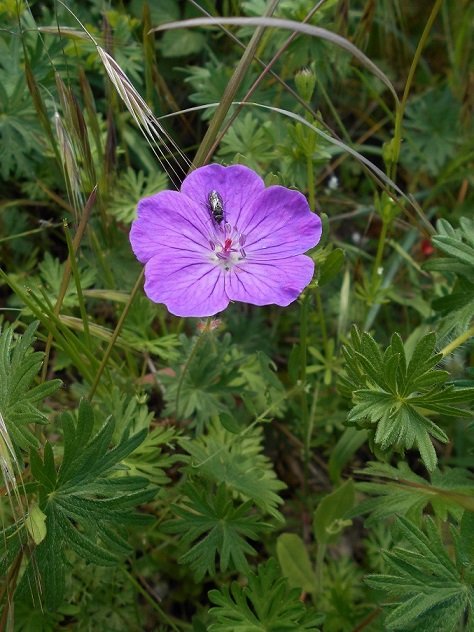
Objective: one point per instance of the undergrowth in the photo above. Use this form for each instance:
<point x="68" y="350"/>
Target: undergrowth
<point x="269" y="469"/>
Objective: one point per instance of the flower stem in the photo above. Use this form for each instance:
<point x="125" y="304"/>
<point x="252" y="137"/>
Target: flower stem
<point x="322" y="320"/>
<point x="116" y="333"/>
<point x="380" y="249"/>
<point x="304" y="396"/>
<point x="197" y="344"/>
<point x="411" y="73"/>
<point x="457" y="342"/>
<point x="310" y="179"/>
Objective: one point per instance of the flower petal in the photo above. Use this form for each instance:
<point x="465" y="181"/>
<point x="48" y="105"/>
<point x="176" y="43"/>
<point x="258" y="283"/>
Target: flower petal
<point x="186" y="284"/>
<point x="278" y="281"/>
<point x="169" y="220"/>
<point x="237" y="186"/>
<point x="279" y="223"/>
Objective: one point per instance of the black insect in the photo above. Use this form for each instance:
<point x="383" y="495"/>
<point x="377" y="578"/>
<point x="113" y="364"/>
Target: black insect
<point x="216" y="206"/>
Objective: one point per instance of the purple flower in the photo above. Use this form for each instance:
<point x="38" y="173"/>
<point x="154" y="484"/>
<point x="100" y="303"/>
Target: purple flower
<point x="224" y="237"/>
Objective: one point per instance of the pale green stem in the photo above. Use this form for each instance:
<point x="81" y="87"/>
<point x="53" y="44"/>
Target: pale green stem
<point x="380" y="249"/>
<point x="457" y="342"/>
<point x="27" y="233"/>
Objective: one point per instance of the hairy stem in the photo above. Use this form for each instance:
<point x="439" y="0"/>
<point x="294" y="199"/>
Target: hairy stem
<point x="197" y="344"/>
<point x="457" y="342"/>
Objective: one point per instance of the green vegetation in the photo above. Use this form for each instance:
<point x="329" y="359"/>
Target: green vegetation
<point x="269" y="469"/>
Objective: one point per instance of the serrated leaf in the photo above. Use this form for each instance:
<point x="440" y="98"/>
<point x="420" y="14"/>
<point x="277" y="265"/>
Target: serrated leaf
<point x="238" y="461"/>
<point x="394" y="399"/>
<point x="266" y="604"/>
<point x="430" y="592"/>
<point x="214" y="526"/>
<point x="86" y="505"/>
<point x="19" y="366"/>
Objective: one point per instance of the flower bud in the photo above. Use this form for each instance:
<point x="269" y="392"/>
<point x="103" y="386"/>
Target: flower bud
<point x="305" y="81"/>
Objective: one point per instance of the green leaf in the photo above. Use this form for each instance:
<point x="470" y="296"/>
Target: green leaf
<point x="265" y="604"/>
<point x="330" y="267"/>
<point x="251" y="137"/>
<point x="238" y="461"/>
<point x="182" y="43"/>
<point x="429" y="590"/>
<point x="466" y="541"/>
<point x="211" y="525"/>
<point x="397" y="491"/>
<point x="230" y="423"/>
<point x="393" y="399"/>
<point x="432" y="130"/>
<point x="295" y="563"/>
<point x="150" y="459"/>
<point x="328" y="518"/>
<point x="19" y="125"/>
<point x="456" y="300"/>
<point x="132" y="186"/>
<point x="349" y="442"/>
<point x="35" y="523"/>
<point x="19" y="366"/>
<point x="51" y="275"/>
<point x="86" y="506"/>
<point x="208" y="372"/>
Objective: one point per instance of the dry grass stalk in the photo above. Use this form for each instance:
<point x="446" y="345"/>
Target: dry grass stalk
<point x="157" y="137"/>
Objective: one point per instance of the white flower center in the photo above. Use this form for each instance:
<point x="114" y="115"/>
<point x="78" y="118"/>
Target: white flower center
<point x="227" y="246"/>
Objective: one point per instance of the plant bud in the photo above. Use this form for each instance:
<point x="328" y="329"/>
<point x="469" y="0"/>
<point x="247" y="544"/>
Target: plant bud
<point x="305" y="81"/>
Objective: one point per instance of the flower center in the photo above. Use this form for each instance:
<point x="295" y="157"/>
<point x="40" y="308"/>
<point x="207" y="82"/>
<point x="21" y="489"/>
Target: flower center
<point x="227" y="246"/>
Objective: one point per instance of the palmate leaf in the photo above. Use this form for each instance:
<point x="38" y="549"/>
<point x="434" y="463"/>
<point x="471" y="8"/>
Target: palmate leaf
<point x="216" y="526"/>
<point x="458" y="246"/>
<point x="51" y="274"/>
<point x="396" y="491"/>
<point x="87" y="508"/>
<point x="132" y="186"/>
<point x="150" y="459"/>
<point x="431" y="591"/>
<point x="19" y="366"/>
<point x="251" y="138"/>
<point x="265" y="604"/>
<point x="238" y="461"/>
<point x="456" y="302"/>
<point x="207" y="371"/>
<point x="394" y="395"/>
<point x="432" y="130"/>
<point x="20" y="135"/>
